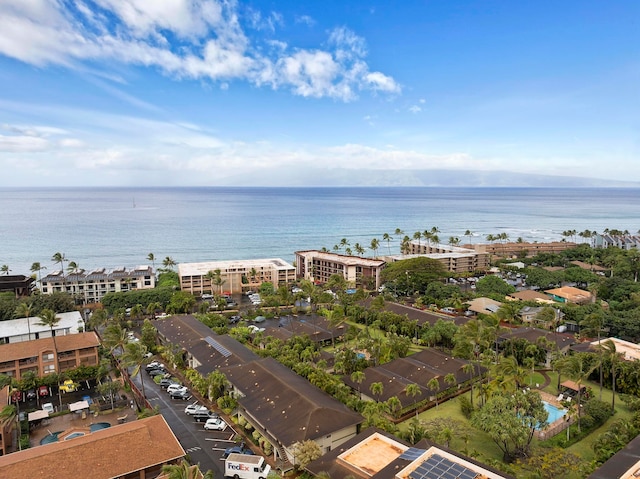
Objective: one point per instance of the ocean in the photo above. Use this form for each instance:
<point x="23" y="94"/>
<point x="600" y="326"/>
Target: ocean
<point x="110" y="227"/>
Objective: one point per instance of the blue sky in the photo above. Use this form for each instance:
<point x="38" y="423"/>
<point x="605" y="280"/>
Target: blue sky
<point x="188" y="92"/>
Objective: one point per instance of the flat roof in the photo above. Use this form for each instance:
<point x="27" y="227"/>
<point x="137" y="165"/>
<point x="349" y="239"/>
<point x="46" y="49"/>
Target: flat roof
<point x="373" y="454"/>
<point x="631" y="351"/>
<point x="433" y="452"/>
<point x="22" y="326"/>
<point x="342" y="258"/>
<point x="200" y="269"/>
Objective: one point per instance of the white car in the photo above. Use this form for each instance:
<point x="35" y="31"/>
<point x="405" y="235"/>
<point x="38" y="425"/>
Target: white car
<point x="176" y="387"/>
<point x="255" y="329"/>
<point x="195" y="408"/>
<point x="215" y="424"/>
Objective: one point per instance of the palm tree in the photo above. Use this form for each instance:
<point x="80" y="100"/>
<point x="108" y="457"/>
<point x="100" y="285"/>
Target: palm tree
<point x="49" y="318"/>
<point x="417" y="236"/>
<point x="36" y="268"/>
<point x="134" y="356"/>
<point x="413" y="390"/>
<point x="59" y="258"/>
<point x="377" y="389"/>
<point x="185" y="471"/>
<point x="434" y="385"/>
<point x="25" y="310"/>
<point x="608" y="347"/>
<point x="375" y="244"/>
<point x="359" y="249"/>
<point x="387" y="237"/>
<point x="152" y="257"/>
<point x="577" y="367"/>
<point x="4" y="269"/>
<point x="217" y="279"/>
<point x="210" y="276"/>
<point x="357" y="377"/>
<point x="594" y="325"/>
<point x="469" y="233"/>
<point x="168" y="262"/>
<point x="344" y="242"/>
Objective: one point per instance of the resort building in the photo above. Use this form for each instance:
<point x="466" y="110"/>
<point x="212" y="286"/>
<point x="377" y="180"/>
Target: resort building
<point x="622" y="241"/>
<point x="20" y="285"/>
<point x="134" y="450"/>
<point x="27" y="329"/>
<point x="235" y="276"/>
<point x="42" y="355"/>
<point x="626" y="350"/>
<point x="517" y="249"/>
<point x="91" y="286"/>
<point x="454" y="258"/>
<point x="318" y="266"/>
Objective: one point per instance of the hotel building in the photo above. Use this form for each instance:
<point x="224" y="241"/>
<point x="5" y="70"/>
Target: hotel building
<point x="319" y="266"/>
<point x="237" y="275"/>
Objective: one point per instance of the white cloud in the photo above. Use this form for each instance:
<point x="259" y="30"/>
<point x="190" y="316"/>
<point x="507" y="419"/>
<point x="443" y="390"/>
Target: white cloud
<point x="415" y="109"/>
<point x="196" y="39"/>
<point x="422" y="100"/>
<point x="306" y="19"/>
<point x="22" y="143"/>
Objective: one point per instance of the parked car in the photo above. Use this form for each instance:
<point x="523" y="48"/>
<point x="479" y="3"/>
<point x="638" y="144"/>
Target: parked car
<point x="255" y="329"/>
<point x="166" y="382"/>
<point x="158" y="372"/>
<point x="234" y="319"/>
<point x="259" y="319"/>
<point x="176" y="387"/>
<point x="183" y="394"/>
<point x="154" y="365"/>
<point x="206" y="296"/>
<point x="31" y="394"/>
<point x="202" y="416"/>
<point x="68" y="386"/>
<point x="43" y="391"/>
<point x="194" y="408"/>
<point x="48" y="407"/>
<point x="237" y="450"/>
<point x="215" y="424"/>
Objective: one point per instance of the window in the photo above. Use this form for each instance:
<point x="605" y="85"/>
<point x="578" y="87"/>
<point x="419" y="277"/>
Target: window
<point x="49" y="368"/>
<point x="47" y="357"/>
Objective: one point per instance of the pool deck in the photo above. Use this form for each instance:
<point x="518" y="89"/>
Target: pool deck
<point x="71" y="421"/>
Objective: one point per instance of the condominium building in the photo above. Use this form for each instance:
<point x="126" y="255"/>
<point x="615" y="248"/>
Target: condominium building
<point x="39" y="355"/>
<point x="235" y="276"/>
<point x="506" y="250"/>
<point x="27" y="329"/>
<point x="454" y="258"/>
<point x="91" y="286"/>
<point x="319" y="266"/>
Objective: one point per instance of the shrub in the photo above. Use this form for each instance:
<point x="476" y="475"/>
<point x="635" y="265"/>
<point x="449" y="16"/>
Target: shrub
<point x="600" y="411"/>
<point x="465" y="406"/>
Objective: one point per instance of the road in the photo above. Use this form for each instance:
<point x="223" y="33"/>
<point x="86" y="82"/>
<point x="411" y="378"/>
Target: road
<point x="203" y="447"/>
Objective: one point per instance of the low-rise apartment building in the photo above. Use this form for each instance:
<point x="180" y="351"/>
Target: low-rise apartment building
<point x="18" y="284"/>
<point x="318" y="266"/>
<point x="91" y="286"/>
<point x="27" y="329"/>
<point x="506" y="250"/>
<point x="236" y="276"/>
<point x="454" y="258"/>
<point x="39" y="355"/>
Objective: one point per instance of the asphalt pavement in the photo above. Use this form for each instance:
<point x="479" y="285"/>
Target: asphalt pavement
<point x="203" y="447"/>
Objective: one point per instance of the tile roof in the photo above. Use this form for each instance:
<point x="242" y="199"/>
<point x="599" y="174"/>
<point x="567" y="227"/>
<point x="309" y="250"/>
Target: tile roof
<point x="28" y="349"/>
<point x="104" y="454"/>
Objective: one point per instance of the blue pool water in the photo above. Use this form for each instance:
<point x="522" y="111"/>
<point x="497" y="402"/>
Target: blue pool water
<point x="99" y="425"/>
<point x="555" y="413"/>
<point x="74" y="435"/>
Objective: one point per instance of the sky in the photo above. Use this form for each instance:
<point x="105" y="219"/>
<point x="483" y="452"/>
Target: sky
<point x="259" y="93"/>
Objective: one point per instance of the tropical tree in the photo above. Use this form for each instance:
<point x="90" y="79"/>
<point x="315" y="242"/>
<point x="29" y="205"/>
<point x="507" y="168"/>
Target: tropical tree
<point x="168" y="262"/>
<point x="134" y="356"/>
<point x="59" y="258"/>
<point x="152" y="257"/>
<point x="109" y="389"/>
<point x="412" y="390"/>
<point x="37" y="268"/>
<point x="593" y="325"/>
<point x="184" y="470"/>
<point x="375" y="244"/>
<point x="387" y="237"/>
<point x="377" y="389"/>
<point x="25" y="310"/>
<point x="50" y="319"/>
<point x="358" y="377"/>
<point x="608" y="349"/>
<point x="434" y="386"/>
<point x="4" y="269"/>
<point x="578" y="367"/>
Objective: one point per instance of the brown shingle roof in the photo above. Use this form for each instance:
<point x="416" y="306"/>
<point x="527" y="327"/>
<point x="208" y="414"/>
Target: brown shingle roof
<point x="28" y="349"/>
<point x="104" y="454"/>
<point x="289" y="407"/>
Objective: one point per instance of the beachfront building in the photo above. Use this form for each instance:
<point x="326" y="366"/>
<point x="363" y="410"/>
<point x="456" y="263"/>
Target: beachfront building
<point x="235" y="276"/>
<point x="91" y="286"/>
<point x="454" y="258"/>
<point x="518" y="249"/>
<point x="27" y="329"/>
<point x="134" y="450"/>
<point x="622" y="241"/>
<point x="18" y="284"/>
<point x="318" y="266"/>
<point x="39" y="355"/>
<point x="569" y="294"/>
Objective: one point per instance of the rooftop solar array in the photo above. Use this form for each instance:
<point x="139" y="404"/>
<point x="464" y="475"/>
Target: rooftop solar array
<point x="412" y="454"/>
<point x="218" y="347"/>
<point x="438" y="467"/>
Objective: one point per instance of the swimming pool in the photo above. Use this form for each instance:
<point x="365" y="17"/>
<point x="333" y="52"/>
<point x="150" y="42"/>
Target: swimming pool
<point x="99" y="425"/>
<point x="555" y="413"/>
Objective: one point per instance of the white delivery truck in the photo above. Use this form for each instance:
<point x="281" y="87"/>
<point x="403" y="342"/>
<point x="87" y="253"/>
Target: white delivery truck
<point x="245" y="466"/>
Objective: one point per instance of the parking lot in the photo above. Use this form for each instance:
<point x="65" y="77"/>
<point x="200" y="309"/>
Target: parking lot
<point x="204" y="447"/>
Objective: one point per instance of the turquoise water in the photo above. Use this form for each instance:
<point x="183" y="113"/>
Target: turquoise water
<point x="100" y="227"/>
<point x="74" y="435"/>
<point x="99" y="425"/>
<point x="555" y="413"/>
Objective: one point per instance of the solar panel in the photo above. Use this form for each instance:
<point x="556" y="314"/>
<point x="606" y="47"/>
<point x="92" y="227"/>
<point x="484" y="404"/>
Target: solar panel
<point x="438" y="467"/>
<point x="218" y="347"/>
<point x="412" y="454"/>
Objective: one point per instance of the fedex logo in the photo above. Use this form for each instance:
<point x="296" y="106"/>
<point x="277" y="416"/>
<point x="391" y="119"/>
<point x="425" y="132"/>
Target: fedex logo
<point x="238" y="467"/>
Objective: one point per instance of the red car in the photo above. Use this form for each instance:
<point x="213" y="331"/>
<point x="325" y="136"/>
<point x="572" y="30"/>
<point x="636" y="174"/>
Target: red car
<point x="43" y="391"/>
